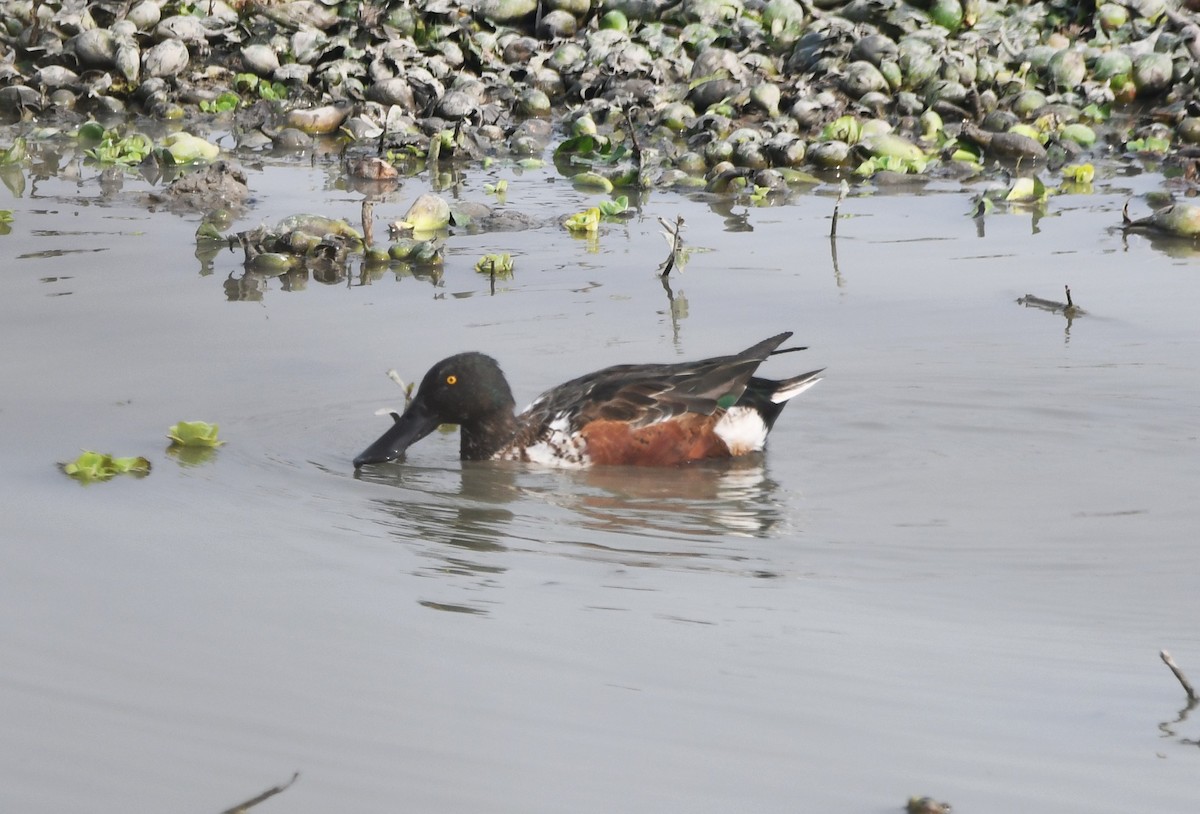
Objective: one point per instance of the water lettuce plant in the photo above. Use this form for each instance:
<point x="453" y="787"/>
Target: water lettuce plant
<point x="498" y="265"/>
<point x="194" y="434"/>
<point x="97" y="466"/>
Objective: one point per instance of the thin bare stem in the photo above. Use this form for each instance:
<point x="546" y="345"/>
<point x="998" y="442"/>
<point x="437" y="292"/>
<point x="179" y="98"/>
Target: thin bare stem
<point x="1187" y="686"/>
<point x="837" y="207"/>
<point x="674" y="235"/>
<point x="253" y="801"/>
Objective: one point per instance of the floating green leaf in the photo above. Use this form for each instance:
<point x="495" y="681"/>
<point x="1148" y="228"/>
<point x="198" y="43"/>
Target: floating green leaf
<point x="94" y="466"/>
<point x="185" y="147"/>
<point x="614" y="207"/>
<point x="1079" y="173"/>
<point x="759" y="194"/>
<point x="14" y="154"/>
<point x="498" y="188"/>
<point x="194" y="434"/>
<point x="1026" y="189"/>
<point x="592" y="180"/>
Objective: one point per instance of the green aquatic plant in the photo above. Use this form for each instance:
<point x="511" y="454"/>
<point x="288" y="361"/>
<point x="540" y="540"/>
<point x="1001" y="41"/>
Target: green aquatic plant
<point x="111" y="147"/>
<point x="224" y="103"/>
<point x="185" y="148"/>
<point x="616" y="206"/>
<point x="428" y="214"/>
<point x="97" y="466"/>
<point x="1028" y="189"/>
<point x="1077" y="178"/>
<point x="410" y="250"/>
<point x="268" y="91"/>
<point x="14" y="154"/>
<point x="194" y="434"/>
<point x="585" y="222"/>
<point x="1153" y="145"/>
<point x="497" y="265"/>
<point x="592" y="181"/>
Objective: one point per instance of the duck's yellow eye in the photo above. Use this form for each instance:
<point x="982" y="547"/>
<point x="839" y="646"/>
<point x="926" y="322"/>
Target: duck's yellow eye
<point x="451" y="379"/>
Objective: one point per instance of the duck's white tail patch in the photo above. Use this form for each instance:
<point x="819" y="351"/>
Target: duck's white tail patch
<point x="742" y="429"/>
<point x="794" y="388"/>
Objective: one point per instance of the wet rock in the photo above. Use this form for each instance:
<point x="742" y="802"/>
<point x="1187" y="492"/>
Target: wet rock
<point x="220" y="185"/>
<point x="557" y="24"/>
<point x="16" y="98"/>
<point x="184" y="28"/>
<point x="95" y="48"/>
<point x="260" y="59"/>
<point x="167" y="59"/>
<point x="506" y="11"/>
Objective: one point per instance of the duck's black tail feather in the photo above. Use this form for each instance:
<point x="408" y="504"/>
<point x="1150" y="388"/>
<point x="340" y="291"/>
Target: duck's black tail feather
<point x="768" y="396"/>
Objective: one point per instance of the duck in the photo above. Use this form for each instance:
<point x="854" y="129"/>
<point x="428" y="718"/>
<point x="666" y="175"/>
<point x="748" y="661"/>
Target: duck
<point x="624" y="415"/>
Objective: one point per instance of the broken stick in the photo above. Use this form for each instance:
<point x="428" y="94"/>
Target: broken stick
<point x="1187" y="686"/>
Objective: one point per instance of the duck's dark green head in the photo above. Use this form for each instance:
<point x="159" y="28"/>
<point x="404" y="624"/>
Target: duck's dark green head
<point x="467" y="389"/>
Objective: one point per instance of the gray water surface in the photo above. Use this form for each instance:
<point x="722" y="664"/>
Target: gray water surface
<point x="951" y="573"/>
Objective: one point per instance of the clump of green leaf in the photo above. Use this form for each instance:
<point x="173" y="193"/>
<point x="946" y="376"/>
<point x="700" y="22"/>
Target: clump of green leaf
<point x="96" y="466"/>
<point x="498" y="189"/>
<point x="1079" y="173"/>
<point x="224" y="103"/>
<point x="1152" y="145"/>
<point x="889" y="163"/>
<point x="843" y="128"/>
<point x="496" y="265"/>
<point x="420" y="252"/>
<point x="194" y="434"/>
<point x="111" y="147"/>
<point x="585" y="222"/>
<point x="588" y="221"/>
<point x="269" y="91"/>
<point x="1077" y="178"/>
<point x="759" y="195"/>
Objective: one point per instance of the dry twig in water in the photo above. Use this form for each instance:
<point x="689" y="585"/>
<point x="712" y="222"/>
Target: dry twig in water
<point x="368" y="223"/>
<point x="674" y="236"/>
<point x="1187" y="686"/>
<point x="837" y="206"/>
<point x="240" y="808"/>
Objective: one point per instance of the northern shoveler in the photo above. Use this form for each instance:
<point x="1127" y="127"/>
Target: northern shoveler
<point x="643" y="415"/>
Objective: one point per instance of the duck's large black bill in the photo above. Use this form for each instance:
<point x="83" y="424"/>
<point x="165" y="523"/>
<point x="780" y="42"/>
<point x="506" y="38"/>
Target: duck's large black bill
<point x="415" y="424"/>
